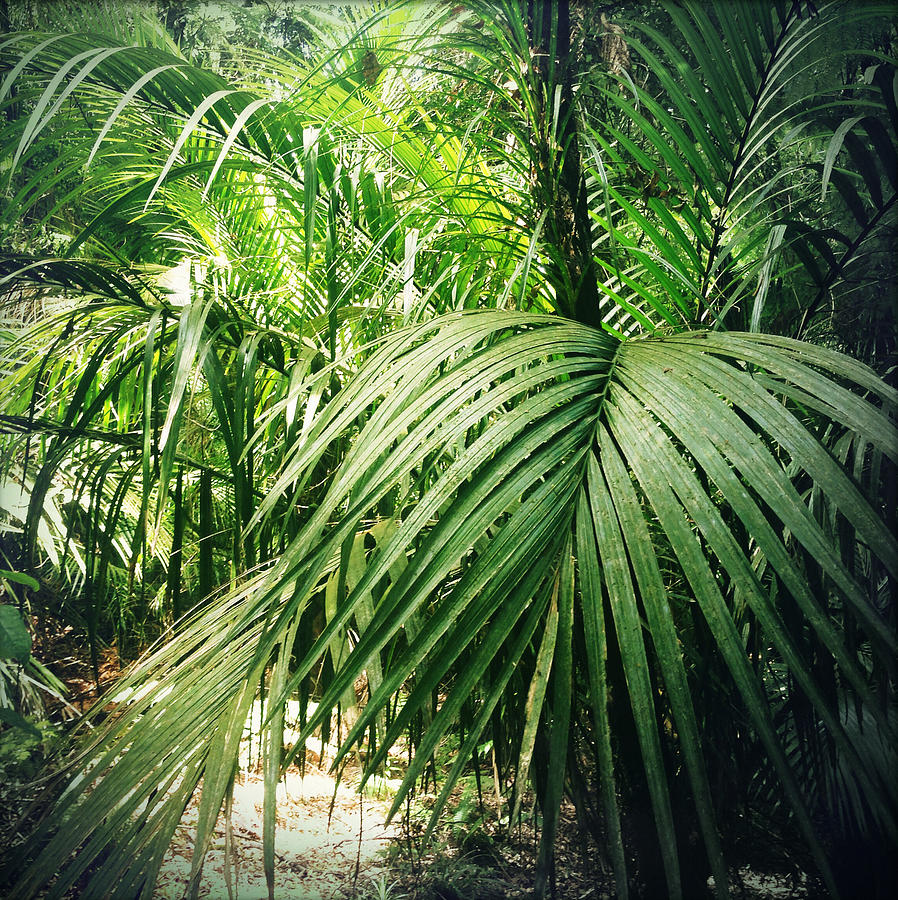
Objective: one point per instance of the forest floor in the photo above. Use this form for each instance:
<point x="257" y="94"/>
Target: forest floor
<point x="334" y="844"/>
<point x="330" y="843"/>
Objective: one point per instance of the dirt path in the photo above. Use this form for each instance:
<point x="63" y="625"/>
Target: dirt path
<point x="318" y="850"/>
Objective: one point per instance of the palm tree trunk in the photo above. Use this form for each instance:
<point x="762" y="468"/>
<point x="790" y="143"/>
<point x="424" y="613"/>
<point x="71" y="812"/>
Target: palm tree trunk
<point x="562" y="189"/>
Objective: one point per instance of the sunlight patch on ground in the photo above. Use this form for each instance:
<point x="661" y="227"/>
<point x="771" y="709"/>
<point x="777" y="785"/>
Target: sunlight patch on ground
<point x="317" y="849"/>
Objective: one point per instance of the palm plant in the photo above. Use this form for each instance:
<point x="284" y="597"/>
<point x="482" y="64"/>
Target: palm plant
<point x="440" y="382"/>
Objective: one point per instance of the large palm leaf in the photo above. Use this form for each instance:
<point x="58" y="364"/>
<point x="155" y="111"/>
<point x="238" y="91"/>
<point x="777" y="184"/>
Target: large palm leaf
<point x="560" y="413"/>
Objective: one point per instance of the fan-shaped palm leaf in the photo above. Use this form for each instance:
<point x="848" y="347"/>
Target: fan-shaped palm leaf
<point x="560" y="412"/>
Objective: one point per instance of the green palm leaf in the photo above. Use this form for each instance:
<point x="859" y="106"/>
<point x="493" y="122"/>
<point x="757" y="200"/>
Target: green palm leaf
<point x="544" y="388"/>
<point x="726" y="136"/>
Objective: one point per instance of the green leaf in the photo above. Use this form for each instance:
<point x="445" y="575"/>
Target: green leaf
<point x="15" y="640"/>
<point x="535" y="696"/>
<point x="560" y="713"/>
<point x="611" y="497"/>
<point x="596" y="658"/>
<point x="20" y="578"/>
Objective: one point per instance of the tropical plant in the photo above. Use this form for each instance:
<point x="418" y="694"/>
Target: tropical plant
<point x="408" y="371"/>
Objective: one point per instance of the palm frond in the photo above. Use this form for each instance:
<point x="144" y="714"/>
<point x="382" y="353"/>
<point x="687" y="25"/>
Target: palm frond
<point x="557" y="409"/>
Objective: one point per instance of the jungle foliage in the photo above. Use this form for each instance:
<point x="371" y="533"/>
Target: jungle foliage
<point x="515" y="374"/>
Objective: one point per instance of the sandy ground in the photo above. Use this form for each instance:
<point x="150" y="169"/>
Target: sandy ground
<point x="320" y="853"/>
